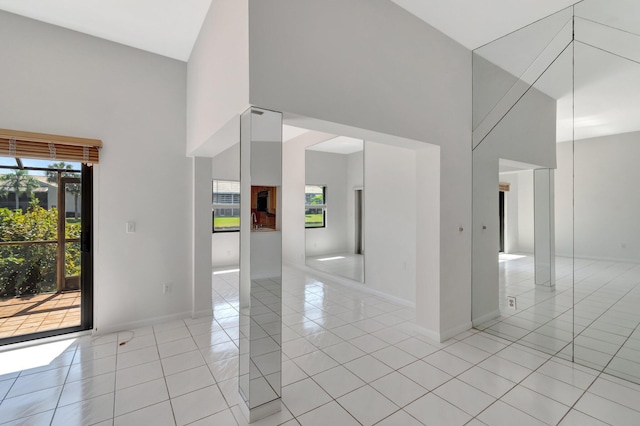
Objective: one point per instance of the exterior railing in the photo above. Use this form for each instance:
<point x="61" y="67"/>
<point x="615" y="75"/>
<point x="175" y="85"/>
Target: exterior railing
<point x="31" y="267"/>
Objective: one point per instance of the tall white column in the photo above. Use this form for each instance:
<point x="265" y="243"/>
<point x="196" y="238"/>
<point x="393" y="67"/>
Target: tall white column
<point x="260" y="263"/>
<point x="201" y="303"/>
<point x="544" y="228"/>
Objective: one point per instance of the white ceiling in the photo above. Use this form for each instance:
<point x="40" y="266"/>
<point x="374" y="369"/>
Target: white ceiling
<point x="166" y="27"/>
<point x="290" y="132"/>
<point x="339" y="145"/>
<point x="170" y="27"/>
<point x="474" y="23"/>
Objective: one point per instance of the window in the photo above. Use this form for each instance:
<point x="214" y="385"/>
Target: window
<point x="315" y="206"/>
<point x="225" y="206"/>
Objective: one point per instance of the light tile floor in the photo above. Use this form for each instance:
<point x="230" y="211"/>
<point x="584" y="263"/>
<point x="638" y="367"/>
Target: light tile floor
<point x="383" y="372"/>
<point x="605" y="319"/>
<point x="346" y="265"/>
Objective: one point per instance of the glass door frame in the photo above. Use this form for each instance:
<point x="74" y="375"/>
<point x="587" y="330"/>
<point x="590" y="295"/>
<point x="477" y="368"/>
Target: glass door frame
<point x="86" y="257"/>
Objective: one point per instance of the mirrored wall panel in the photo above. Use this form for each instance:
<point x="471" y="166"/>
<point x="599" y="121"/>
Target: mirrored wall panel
<point x="561" y="273"/>
<point x="522" y="278"/>
<point x="334" y="213"/>
<point x="607" y="148"/>
<point x="260" y="360"/>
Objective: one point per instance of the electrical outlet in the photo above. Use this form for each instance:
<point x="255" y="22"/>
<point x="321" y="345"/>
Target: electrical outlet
<point x="131" y="227"/>
<point x="166" y="288"/>
<point x="511" y="302"/>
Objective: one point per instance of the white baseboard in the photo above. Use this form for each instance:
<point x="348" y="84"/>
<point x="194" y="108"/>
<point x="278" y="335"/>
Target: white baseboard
<point x="432" y="335"/>
<point x="125" y="326"/>
<point x="352" y="284"/>
<point x="202" y="313"/>
<point x="442" y="336"/>
<point x="486" y="317"/>
<point x="607" y="259"/>
<point x="454" y="331"/>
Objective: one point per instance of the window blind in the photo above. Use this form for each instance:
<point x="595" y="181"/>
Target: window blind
<point x="504" y="186"/>
<point x="20" y="144"/>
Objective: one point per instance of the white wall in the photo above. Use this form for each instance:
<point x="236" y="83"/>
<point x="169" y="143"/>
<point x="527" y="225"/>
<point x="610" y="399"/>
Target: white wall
<point x="63" y="82"/>
<point x="218" y="78"/>
<point x="330" y="61"/>
<point x="564" y="198"/>
<point x="226" y="165"/>
<point x="225" y="249"/>
<point x="329" y="169"/>
<point x="607" y="207"/>
<point x="201" y="256"/>
<point x="525" y="212"/>
<point x="429" y="295"/>
<point x="390" y="223"/>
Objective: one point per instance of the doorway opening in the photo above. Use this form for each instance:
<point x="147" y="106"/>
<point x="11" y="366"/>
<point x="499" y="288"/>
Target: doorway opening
<point x="46" y="258"/>
<point x="359" y="238"/>
<point x="501" y="213"/>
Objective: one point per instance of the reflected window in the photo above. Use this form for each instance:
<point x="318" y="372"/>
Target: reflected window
<point x="315" y="208"/>
<point x="225" y="207"/>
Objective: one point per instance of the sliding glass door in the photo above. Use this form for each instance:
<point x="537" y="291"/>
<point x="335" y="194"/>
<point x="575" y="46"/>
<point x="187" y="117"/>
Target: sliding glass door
<point x="46" y="264"/>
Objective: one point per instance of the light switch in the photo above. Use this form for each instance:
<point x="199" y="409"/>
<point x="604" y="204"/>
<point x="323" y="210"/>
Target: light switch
<point x="131" y="227"/>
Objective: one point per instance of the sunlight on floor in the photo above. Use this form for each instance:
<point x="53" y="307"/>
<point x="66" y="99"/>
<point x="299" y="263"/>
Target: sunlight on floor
<point x="32" y="357"/>
<point x="330" y="258"/>
<point x="503" y="257"/>
<point x="226" y="271"/>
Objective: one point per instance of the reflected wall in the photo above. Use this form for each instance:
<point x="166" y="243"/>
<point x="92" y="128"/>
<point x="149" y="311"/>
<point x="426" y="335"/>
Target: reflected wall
<point x="334" y="213"/>
<point x="555" y="121"/>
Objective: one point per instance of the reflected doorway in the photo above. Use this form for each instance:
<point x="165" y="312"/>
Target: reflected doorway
<point x="501" y="213"/>
<point x="359" y="239"/>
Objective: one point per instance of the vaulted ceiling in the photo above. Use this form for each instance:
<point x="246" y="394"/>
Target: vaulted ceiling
<point x="170" y="27"/>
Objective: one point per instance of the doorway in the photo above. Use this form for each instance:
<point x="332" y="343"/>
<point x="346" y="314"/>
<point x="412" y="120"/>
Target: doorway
<point x="46" y="258"/>
<point x="359" y="243"/>
<point x="501" y="210"/>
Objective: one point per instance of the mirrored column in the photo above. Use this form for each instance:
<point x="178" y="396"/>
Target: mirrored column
<point x="260" y="263"/>
<point x="544" y="228"/>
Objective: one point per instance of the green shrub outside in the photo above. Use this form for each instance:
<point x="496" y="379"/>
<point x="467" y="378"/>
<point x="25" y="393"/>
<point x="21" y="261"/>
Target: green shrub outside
<point x="32" y="269"/>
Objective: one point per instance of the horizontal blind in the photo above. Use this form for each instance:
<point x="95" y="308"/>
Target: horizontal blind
<point x="20" y="144"/>
<point x="504" y="186"/>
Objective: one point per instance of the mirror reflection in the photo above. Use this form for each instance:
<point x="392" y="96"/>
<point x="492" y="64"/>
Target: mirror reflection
<point x="607" y="235"/>
<point x="334" y="196"/>
<point x="522" y="281"/>
<point x="559" y="269"/>
<point x="260" y="359"/>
